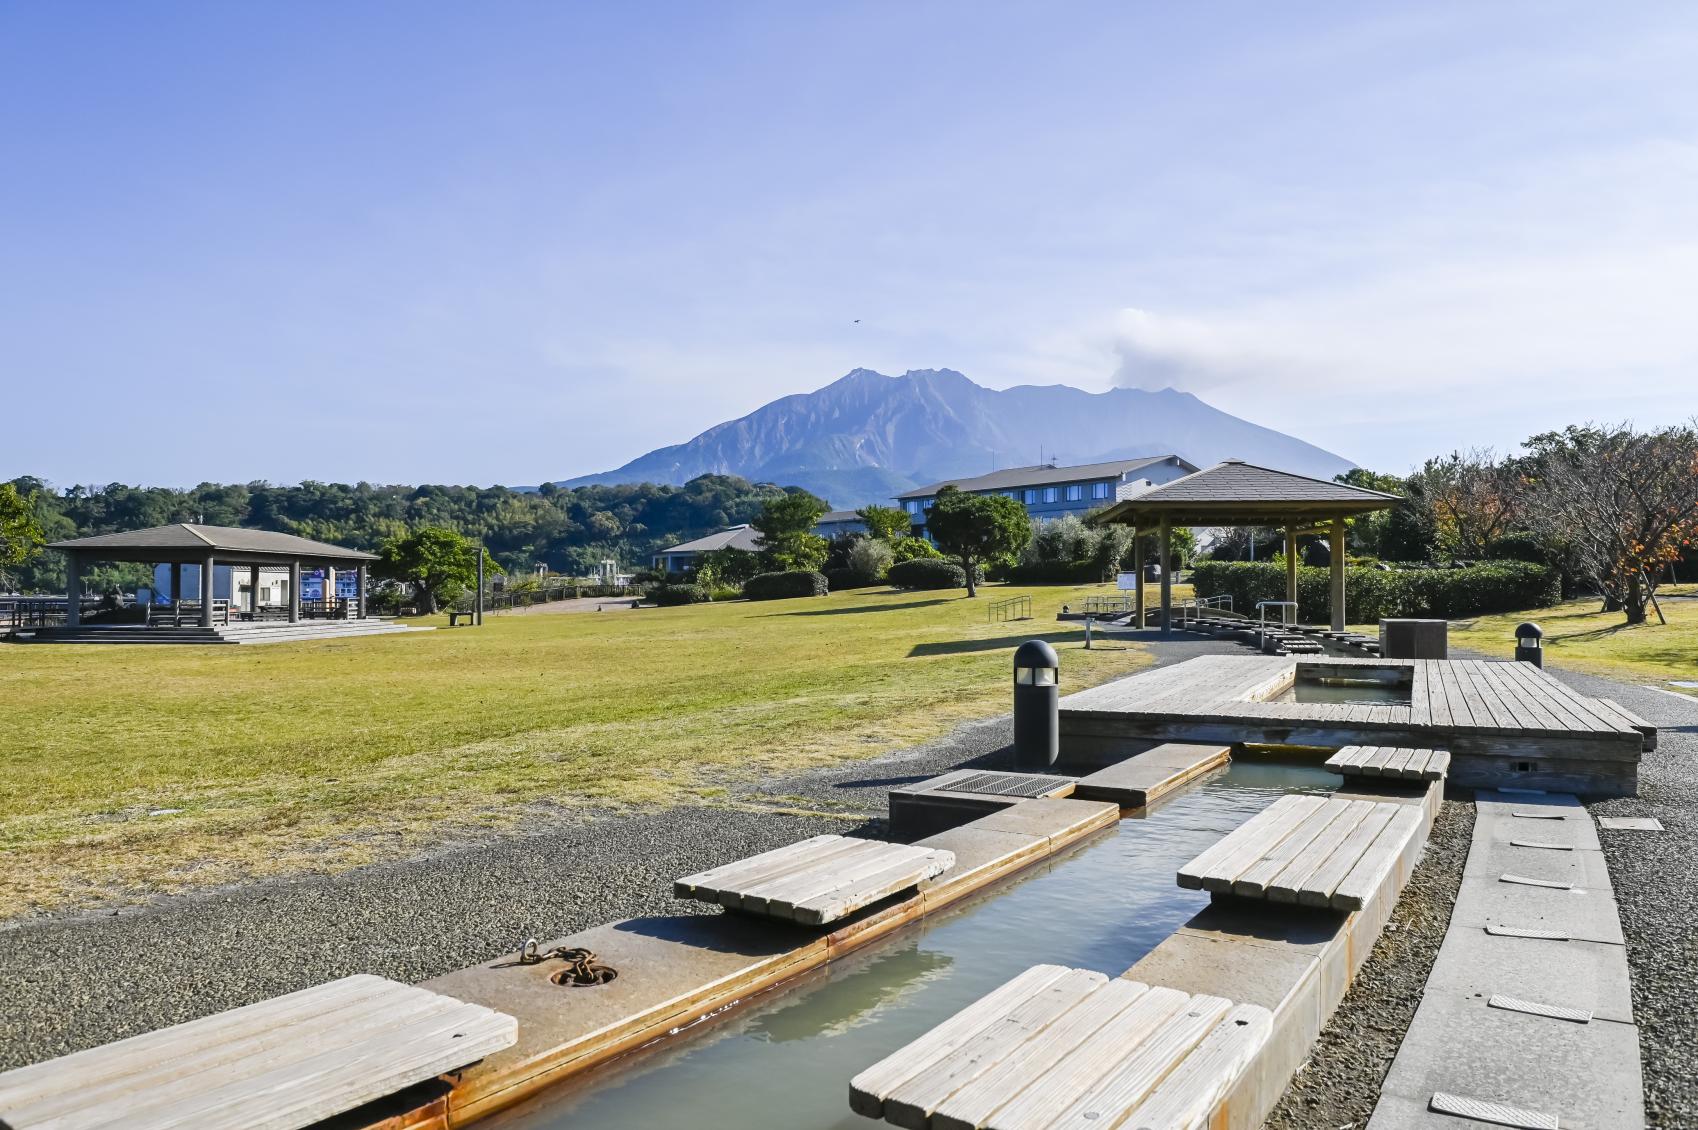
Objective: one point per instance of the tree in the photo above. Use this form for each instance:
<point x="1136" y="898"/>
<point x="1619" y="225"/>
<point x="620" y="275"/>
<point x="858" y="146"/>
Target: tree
<point x="887" y="523"/>
<point x="20" y="531"/>
<point x="976" y="528"/>
<point x="1472" y="499"/>
<point x="719" y="567"/>
<point x="439" y="563"/>
<point x="786" y="526"/>
<point x="911" y="548"/>
<point x="870" y="559"/>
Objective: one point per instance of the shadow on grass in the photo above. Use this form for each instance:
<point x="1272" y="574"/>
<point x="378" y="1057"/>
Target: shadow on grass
<point x="998" y="643"/>
<point x="864" y="608"/>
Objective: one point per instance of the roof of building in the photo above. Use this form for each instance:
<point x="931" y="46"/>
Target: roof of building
<point x="1234" y="492"/>
<point x="181" y="538"/>
<point x="839" y="516"/>
<point x="733" y="537"/>
<point x="1043" y="475"/>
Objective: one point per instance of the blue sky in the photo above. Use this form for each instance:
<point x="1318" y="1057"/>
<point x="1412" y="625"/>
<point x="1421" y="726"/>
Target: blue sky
<point x="508" y="242"/>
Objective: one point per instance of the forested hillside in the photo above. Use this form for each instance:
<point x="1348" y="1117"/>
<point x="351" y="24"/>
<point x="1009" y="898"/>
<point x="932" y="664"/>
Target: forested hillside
<point x="569" y="530"/>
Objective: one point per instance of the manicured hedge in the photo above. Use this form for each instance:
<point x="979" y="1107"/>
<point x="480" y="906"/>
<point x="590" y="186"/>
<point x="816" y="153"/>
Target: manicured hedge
<point x="1375" y="594"/>
<point x="669" y="595"/>
<point x="927" y="573"/>
<point x="1085" y="572"/>
<point x="840" y="579"/>
<point x="777" y="586"/>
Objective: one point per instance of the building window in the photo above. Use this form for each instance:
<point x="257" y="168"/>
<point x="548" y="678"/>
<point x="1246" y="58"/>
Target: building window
<point x="1031" y="497"/>
<point x="1075" y="492"/>
<point x="1050" y="494"/>
<point x="913" y="506"/>
<point x="1099" y="490"/>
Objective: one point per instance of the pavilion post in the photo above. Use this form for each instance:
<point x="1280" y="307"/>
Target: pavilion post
<point x="295" y="591"/>
<point x="1291" y="567"/>
<point x="253" y="592"/>
<point x="1337" y="540"/>
<point x="477" y="613"/>
<point x="1166" y="576"/>
<point x="329" y="590"/>
<point x="176" y="594"/>
<point x="1138" y="581"/>
<point x="206" y="591"/>
<point x="360" y="591"/>
<point x="73" y="589"/>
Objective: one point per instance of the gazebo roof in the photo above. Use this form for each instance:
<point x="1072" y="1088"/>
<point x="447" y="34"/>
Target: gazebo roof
<point x="191" y="541"/>
<point x="1235" y="493"/>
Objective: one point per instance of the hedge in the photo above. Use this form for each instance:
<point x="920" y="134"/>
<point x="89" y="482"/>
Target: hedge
<point x="1375" y="594"/>
<point x="669" y="595"/>
<point x="840" y="579"/>
<point x="1085" y="572"/>
<point x="927" y="573"/>
<point x="777" y="586"/>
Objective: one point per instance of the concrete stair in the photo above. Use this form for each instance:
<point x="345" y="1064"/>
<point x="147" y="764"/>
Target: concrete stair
<point x="236" y="633"/>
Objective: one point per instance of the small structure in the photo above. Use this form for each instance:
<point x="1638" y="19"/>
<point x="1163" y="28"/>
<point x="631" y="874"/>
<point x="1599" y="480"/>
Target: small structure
<point x="1236" y="493"/>
<point x="682" y="558"/>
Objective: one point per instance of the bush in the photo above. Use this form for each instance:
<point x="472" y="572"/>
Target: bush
<point x="669" y="595"/>
<point x="1374" y="594"/>
<point x="869" y="559"/>
<point x="839" y="579"/>
<point x="778" y="586"/>
<point x="1085" y="572"/>
<point x="724" y="592"/>
<point x="927" y="573"/>
<point x="914" y="549"/>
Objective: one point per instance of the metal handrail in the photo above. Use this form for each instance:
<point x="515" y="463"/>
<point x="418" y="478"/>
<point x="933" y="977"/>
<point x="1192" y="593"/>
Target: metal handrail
<point x="1262" y="615"/>
<point x="1010" y="608"/>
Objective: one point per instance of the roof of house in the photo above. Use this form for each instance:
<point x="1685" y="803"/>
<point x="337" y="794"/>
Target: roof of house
<point x="1043" y="475"/>
<point x="1235" y="492"/>
<point x="193" y="538"/>
<point x="733" y="537"/>
<point x="839" y="516"/>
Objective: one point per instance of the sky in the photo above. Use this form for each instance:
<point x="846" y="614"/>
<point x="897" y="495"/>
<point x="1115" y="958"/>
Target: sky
<point x="510" y="242"/>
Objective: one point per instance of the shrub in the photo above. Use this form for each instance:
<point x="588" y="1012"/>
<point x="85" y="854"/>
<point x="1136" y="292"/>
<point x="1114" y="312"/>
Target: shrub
<point x="669" y="595"/>
<point x="1374" y="594"/>
<point x="724" y="592"/>
<point x="777" y="586"/>
<point x="913" y="549"/>
<point x="1085" y="572"/>
<point x="927" y="573"/>
<point x="869" y="558"/>
<point x="844" y="578"/>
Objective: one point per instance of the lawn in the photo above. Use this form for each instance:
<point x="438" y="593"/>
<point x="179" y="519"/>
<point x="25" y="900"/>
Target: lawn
<point x="134" y="770"/>
<point x="1580" y="637"/>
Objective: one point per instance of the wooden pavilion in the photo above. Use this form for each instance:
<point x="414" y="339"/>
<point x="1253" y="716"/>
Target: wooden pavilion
<point x="1236" y="493"/>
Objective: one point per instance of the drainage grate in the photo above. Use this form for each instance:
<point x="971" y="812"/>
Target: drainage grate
<point x="1534" y="1008"/>
<point x="1006" y="784"/>
<point x="1502" y="1114"/>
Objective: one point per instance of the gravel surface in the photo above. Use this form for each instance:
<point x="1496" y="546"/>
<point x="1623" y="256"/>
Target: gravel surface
<point x="1339" y="1083"/>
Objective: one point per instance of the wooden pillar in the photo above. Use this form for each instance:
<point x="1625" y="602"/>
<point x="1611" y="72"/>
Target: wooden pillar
<point x="329" y="590"/>
<point x="1338" y="574"/>
<point x="1166" y="577"/>
<point x="1138" y="583"/>
<point x="73" y="589"/>
<point x="1291" y="568"/>
<point x="294" y="592"/>
<point x="253" y="591"/>
<point x="360" y="591"/>
<point x="206" y="591"/>
<point x="177" y="594"/>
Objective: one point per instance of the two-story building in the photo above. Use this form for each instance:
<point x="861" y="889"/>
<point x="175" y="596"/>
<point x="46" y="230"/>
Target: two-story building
<point x="1048" y="491"/>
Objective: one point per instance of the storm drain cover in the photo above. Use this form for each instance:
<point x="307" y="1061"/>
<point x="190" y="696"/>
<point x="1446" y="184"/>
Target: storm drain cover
<point x="1526" y="932"/>
<point x="1005" y="784"/>
<point x="1502" y="1114"/>
<point x="1534" y="1008"/>
<point x="1630" y="823"/>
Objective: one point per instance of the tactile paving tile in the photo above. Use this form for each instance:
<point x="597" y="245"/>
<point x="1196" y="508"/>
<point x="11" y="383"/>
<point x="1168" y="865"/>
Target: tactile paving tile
<point x="1501" y="1114"/>
<point x="1522" y="880"/>
<point x="1541" y="844"/>
<point x="1539" y="815"/>
<point x="1534" y="1008"/>
<point x="1526" y="932"/>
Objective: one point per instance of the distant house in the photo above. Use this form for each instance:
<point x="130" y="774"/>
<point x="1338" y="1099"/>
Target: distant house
<point x="1048" y="491"/>
<point x="682" y="558"/>
<point x="835" y="522"/>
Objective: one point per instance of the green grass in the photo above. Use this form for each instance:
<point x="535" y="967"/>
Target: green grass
<point x="1578" y="636"/>
<point x="320" y="756"/>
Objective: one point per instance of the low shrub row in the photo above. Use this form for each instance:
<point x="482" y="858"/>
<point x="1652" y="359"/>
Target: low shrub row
<point x="669" y="595"/>
<point x="778" y="586"/>
<point x="927" y="573"/>
<point x="1375" y="594"/>
<point x="1087" y="572"/>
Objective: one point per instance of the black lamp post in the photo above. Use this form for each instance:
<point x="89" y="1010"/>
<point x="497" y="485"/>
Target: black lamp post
<point x="1529" y="644"/>
<point x="1037" y="712"/>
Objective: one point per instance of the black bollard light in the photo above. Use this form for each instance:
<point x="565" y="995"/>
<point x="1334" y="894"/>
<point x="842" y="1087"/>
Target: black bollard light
<point x="1037" y="711"/>
<point x="1529" y="644"/>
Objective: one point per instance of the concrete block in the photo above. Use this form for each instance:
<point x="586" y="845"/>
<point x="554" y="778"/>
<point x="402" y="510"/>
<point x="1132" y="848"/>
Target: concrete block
<point x="1590" y="975"/>
<point x="981" y="852"/>
<point x="1498" y="824"/>
<point x="1146" y="777"/>
<point x="1585" y="869"/>
<point x="1589" y="915"/>
<point x="1056" y="819"/>
<point x="1414" y="639"/>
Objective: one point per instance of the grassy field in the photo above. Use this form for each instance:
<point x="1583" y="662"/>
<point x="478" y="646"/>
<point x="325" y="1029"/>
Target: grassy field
<point x="1577" y="635"/>
<point x="134" y="770"/>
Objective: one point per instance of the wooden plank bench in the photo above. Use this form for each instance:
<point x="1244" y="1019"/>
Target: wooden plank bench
<point x="1310" y="850"/>
<point x="817" y="881"/>
<point x="1068" y="1048"/>
<point x="1392" y="762"/>
<point x="276" y="1065"/>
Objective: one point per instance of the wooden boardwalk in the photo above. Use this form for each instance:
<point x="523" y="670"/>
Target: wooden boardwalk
<point x="276" y="1065"/>
<point x="1387" y="762"/>
<point x="1310" y="850"/>
<point x="817" y="881"/>
<point x="1068" y="1049"/>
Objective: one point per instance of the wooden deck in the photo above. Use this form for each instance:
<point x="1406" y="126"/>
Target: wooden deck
<point x="1390" y="762"/>
<point x="1504" y="723"/>
<point x="816" y="881"/>
<point x="1313" y="851"/>
<point x="276" y="1065"/>
<point x="1068" y="1049"/>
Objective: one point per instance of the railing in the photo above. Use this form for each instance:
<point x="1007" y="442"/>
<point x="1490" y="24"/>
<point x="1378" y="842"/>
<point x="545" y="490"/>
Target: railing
<point x="1120" y="605"/>
<point x="1191" y="609"/>
<point x="1012" y="608"/>
<point x="27" y="613"/>
<point x="184" y="612"/>
<point x="1287" y="612"/>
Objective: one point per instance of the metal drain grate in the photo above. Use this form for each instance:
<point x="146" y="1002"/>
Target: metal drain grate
<point x="1006" y="784"/>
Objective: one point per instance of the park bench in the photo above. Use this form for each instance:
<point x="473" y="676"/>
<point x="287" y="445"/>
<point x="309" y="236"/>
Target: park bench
<point x="277" y="1065"/>
<point x="817" y="881"/>
<point x="454" y="617"/>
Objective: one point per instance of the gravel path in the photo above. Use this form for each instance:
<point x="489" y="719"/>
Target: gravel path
<point x="1339" y="1083"/>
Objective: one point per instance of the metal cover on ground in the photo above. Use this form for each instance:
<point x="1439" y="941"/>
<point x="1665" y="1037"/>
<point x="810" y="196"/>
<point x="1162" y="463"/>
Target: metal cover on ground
<point x="1526" y="882"/>
<point x="1500" y="1113"/>
<point x="1526" y="932"/>
<point x="1630" y="823"/>
<point x="1541" y="844"/>
<point x="1534" y="1008"/>
<point x="1005" y="784"/>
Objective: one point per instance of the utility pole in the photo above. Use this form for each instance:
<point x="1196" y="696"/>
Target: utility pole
<point x="477" y="608"/>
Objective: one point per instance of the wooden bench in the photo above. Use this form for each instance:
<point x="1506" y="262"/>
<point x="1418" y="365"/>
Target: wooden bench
<point x="455" y="617"/>
<point x="276" y="1065"/>
<point x="1387" y="762"/>
<point x="1068" y="1049"/>
<point x="1310" y="850"/>
<point x="817" y="881"/>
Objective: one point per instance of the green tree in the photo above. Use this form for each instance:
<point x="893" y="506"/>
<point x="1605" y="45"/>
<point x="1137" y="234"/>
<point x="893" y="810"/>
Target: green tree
<point x="910" y="548"/>
<point x="20" y="531"/>
<point x="975" y="528"/>
<point x="439" y="563"/>
<point x="786" y="526"/>
<point x="887" y="523"/>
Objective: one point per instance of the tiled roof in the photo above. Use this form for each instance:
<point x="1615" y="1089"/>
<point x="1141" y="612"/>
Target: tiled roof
<point x="1044" y="475"/>
<point x="734" y="537"/>
<point x="1236" y="481"/>
<point x="839" y="516"/>
<point x="212" y="539"/>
